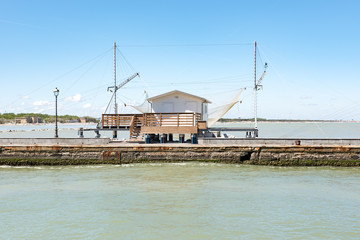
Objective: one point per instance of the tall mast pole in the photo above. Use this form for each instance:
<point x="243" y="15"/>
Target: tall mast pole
<point x="115" y="104"/>
<point x="255" y="89"/>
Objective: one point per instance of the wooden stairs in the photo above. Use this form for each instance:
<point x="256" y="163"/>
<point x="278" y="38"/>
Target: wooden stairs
<point x="135" y="128"/>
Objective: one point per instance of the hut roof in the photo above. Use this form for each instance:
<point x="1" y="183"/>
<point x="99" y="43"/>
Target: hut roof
<point x="177" y="92"/>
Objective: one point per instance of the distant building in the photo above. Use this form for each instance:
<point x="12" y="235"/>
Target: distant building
<point x="22" y="120"/>
<point x="28" y="119"/>
<point x="34" y="120"/>
<point x="83" y="120"/>
<point x="73" y="121"/>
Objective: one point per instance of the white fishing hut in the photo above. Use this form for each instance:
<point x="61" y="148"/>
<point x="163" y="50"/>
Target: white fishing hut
<point x="179" y="102"/>
<point x="173" y="112"/>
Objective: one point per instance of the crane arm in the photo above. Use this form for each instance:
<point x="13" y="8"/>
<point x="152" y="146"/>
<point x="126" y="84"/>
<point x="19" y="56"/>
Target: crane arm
<point x="258" y="84"/>
<point x="261" y="77"/>
<point x="125" y="82"/>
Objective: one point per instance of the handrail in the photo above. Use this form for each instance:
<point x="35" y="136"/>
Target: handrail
<point x="151" y="119"/>
<point x="117" y="120"/>
<point x="171" y="119"/>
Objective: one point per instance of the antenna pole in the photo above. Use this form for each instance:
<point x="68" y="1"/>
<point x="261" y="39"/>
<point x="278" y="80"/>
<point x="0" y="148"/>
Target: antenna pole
<point x="115" y="104"/>
<point x="255" y="89"/>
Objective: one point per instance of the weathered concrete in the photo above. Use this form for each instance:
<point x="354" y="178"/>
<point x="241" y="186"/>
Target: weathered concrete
<point x="53" y="141"/>
<point x="278" y="141"/>
<point x="202" y="141"/>
<point x="306" y="156"/>
<point x="133" y="153"/>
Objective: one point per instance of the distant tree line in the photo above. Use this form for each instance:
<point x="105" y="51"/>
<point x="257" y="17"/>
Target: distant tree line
<point x="240" y="119"/>
<point x="271" y="120"/>
<point x="45" y="118"/>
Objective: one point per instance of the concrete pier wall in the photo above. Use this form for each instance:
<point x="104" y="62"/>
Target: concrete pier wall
<point x="53" y="141"/>
<point x="201" y="141"/>
<point x="279" y="141"/>
<point x="134" y="153"/>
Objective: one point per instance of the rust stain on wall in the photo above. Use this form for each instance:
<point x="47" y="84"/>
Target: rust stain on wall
<point x="111" y="155"/>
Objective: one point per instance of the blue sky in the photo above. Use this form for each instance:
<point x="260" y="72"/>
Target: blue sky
<point x="311" y="48"/>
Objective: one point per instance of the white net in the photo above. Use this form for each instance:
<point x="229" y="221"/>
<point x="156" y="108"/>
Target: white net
<point x="145" y="107"/>
<point x="216" y="112"/>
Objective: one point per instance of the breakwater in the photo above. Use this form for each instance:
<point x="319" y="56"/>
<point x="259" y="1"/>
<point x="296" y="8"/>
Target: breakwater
<point x="121" y="153"/>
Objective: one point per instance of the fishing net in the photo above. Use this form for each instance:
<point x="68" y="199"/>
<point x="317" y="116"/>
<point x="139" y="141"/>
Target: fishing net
<point x="216" y="111"/>
<point x="145" y="107"/>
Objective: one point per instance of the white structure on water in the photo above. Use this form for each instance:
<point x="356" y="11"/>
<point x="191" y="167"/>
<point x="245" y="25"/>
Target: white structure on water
<point x="179" y="102"/>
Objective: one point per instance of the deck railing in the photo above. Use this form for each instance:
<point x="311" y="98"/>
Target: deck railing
<point x="118" y="120"/>
<point x="171" y="119"/>
<point x="151" y="120"/>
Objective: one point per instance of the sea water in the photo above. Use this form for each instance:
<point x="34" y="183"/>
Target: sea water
<point x="266" y="130"/>
<point x="179" y="201"/>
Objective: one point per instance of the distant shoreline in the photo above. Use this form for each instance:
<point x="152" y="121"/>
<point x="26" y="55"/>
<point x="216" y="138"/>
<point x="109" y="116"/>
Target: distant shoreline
<point x="226" y="120"/>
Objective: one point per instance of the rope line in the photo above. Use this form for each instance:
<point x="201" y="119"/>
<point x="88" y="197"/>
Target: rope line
<point x="187" y="45"/>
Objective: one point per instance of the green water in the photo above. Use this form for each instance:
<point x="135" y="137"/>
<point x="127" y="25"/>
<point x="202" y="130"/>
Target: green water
<point x="179" y="201"/>
<point x="266" y="130"/>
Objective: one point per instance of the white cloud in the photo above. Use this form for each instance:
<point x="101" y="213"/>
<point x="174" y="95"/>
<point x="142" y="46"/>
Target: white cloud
<point x="305" y="97"/>
<point x="309" y="104"/>
<point x="41" y="103"/>
<point x="87" y="105"/>
<point x="25" y="97"/>
<point x="75" y="98"/>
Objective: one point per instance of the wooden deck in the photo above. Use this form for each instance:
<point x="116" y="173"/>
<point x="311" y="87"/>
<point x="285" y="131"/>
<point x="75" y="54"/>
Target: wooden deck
<point x="153" y="123"/>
